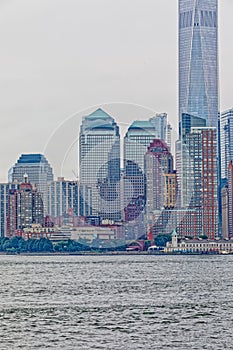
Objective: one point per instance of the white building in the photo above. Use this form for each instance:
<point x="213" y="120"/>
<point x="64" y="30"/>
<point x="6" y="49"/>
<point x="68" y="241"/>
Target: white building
<point x="198" y="246"/>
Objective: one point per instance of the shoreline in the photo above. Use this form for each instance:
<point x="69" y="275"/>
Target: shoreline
<point x="144" y="253"/>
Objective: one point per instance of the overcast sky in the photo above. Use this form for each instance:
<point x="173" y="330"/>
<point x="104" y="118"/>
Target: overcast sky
<point x="59" y="57"/>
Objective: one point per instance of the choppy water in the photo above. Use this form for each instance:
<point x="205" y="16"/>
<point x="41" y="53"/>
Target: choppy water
<point x="116" y="302"/>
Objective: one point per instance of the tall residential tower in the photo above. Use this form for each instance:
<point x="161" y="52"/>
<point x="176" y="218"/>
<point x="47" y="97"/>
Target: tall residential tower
<point x="226" y="141"/>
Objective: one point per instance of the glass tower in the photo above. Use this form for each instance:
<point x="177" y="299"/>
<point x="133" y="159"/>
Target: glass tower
<point x="198" y="59"/>
<point x="99" y="160"/>
<point x="136" y="142"/>
<point x="138" y="138"/>
<point x="39" y="172"/>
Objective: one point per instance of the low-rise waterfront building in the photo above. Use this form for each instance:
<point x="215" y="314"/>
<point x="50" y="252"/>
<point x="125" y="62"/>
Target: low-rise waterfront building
<point x="199" y="246"/>
<point x="36" y="231"/>
<point x="92" y="232"/>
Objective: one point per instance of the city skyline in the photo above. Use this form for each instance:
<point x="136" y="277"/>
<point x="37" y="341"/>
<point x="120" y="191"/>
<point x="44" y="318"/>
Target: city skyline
<point x="116" y="220"/>
<point x="99" y="140"/>
<point x="37" y="95"/>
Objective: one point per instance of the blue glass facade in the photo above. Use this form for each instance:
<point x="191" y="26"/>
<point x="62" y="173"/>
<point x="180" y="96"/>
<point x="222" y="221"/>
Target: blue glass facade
<point x="99" y="160"/>
<point x="39" y="172"/>
<point x="198" y="59"/>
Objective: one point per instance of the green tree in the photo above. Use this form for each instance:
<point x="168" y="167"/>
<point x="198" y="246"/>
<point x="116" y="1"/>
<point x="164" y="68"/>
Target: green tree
<point x="47" y="246"/>
<point x="161" y="240"/>
<point x="203" y="237"/>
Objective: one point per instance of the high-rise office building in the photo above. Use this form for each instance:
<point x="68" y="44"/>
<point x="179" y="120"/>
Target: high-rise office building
<point x="136" y="141"/>
<point x="139" y="136"/>
<point x="183" y="158"/>
<point x="99" y="159"/>
<point x="160" y="123"/>
<point x="226" y="141"/>
<point x="198" y="59"/>
<point x="63" y="198"/>
<point x="158" y="164"/>
<point x="39" y="172"/>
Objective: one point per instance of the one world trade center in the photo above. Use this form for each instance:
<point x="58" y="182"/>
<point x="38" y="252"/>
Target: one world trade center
<point x="198" y="59"/>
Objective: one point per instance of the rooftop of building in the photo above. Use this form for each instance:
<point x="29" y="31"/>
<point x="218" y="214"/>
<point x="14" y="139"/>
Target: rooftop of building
<point x="98" y="114"/>
<point x="141" y="124"/>
<point x="97" y="121"/>
<point x="227" y="112"/>
<point x="197" y="241"/>
<point x="32" y="158"/>
<point x="158" y="146"/>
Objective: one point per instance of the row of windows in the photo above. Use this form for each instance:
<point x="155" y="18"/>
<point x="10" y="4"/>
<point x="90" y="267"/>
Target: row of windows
<point x="198" y="245"/>
<point x="186" y="19"/>
<point x="207" y="19"/>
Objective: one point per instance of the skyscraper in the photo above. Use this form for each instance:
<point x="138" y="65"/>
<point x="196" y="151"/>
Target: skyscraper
<point x="226" y="141"/>
<point x="63" y="198"/>
<point x="25" y="208"/>
<point x="225" y="212"/>
<point x="202" y="173"/>
<point x="158" y="163"/>
<point x="136" y="142"/>
<point x="39" y="172"/>
<point x="4" y="195"/>
<point x="230" y="198"/>
<point x="198" y="59"/>
<point x="99" y="160"/>
<point x="183" y="158"/>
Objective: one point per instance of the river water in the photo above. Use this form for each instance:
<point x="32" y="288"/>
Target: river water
<point x="116" y="302"/>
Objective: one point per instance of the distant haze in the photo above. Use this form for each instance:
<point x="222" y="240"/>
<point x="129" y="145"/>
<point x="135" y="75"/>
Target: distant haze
<point x="59" y="57"/>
